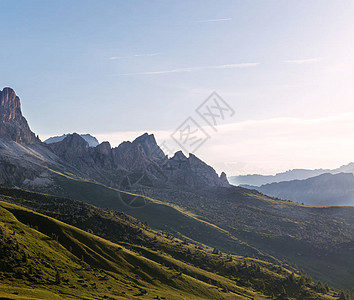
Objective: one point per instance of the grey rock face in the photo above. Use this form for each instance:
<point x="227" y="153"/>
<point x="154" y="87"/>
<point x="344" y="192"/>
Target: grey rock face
<point x="223" y="179"/>
<point x="74" y="150"/>
<point x="142" y="156"/>
<point x="193" y="172"/>
<point x="13" y="126"/>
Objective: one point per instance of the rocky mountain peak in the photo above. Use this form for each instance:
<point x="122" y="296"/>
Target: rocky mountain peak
<point x="223" y="179"/>
<point x="104" y="148"/>
<point x="10" y="106"/>
<point x="92" y="141"/>
<point x="149" y="146"/>
<point x="74" y="150"/>
<point x="76" y="140"/>
<point x="72" y="145"/>
<point x="145" y="138"/>
<point x="13" y="126"/>
<point x="193" y="172"/>
<point x="179" y="156"/>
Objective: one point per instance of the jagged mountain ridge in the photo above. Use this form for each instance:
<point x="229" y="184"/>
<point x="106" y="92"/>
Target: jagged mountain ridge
<point x="142" y="160"/>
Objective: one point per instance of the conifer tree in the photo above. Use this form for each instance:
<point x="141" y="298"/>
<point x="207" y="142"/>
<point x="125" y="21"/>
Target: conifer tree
<point x="57" y="277"/>
<point x="342" y="296"/>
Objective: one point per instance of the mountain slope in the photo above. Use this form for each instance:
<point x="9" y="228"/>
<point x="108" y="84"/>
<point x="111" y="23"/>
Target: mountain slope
<point x="317" y="240"/>
<point x="241" y="221"/>
<point x="61" y="260"/>
<point x="89" y="267"/>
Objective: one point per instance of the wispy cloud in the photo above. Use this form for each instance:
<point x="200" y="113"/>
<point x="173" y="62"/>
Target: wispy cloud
<point x="195" y="69"/>
<point x="304" y="61"/>
<point x="214" y="20"/>
<point x="134" y="55"/>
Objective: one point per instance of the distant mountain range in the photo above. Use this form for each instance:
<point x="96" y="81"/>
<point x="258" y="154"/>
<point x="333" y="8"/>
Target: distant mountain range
<point x="182" y="195"/>
<point x="91" y="140"/>
<point x="295" y="174"/>
<point x="258" y="180"/>
<point x="322" y="190"/>
<point x="319" y="187"/>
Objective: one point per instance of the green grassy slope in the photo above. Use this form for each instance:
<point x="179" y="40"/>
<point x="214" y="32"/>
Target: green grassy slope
<point x="319" y="240"/>
<point x="88" y="266"/>
<point x="159" y="215"/>
<point x="164" y="266"/>
<point x="242" y="221"/>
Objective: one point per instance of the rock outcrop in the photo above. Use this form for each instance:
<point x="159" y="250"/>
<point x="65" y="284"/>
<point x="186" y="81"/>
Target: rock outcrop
<point x="13" y="126"/>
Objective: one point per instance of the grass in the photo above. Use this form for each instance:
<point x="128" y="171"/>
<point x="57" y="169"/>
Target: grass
<point x="240" y="221"/>
<point x="155" y="261"/>
<point x="89" y="266"/>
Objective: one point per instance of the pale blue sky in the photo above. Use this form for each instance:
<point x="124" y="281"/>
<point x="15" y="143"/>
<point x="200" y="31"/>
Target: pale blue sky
<point x="108" y="67"/>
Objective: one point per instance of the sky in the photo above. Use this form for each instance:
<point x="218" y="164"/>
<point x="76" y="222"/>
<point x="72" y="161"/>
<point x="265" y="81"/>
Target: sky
<point x="117" y="69"/>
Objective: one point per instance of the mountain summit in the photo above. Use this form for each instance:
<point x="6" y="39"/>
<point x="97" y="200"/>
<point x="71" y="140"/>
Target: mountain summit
<point x="13" y="126"/>
<point x="92" y="141"/>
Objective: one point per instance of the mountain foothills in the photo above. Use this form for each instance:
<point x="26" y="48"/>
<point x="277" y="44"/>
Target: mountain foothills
<point x="325" y="189"/>
<point x="47" y="258"/>
<point x="186" y="208"/>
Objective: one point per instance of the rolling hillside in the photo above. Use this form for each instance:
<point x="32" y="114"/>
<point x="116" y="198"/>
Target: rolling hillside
<point x="237" y="220"/>
<point x="48" y="259"/>
<point x="319" y="240"/>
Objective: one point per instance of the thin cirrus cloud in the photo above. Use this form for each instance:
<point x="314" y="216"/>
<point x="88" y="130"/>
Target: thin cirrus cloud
<point x="304" y="61"/>
<point x="214" y="20"/>
<point x="134" y="55"/>
<point x="195" y="69"/>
